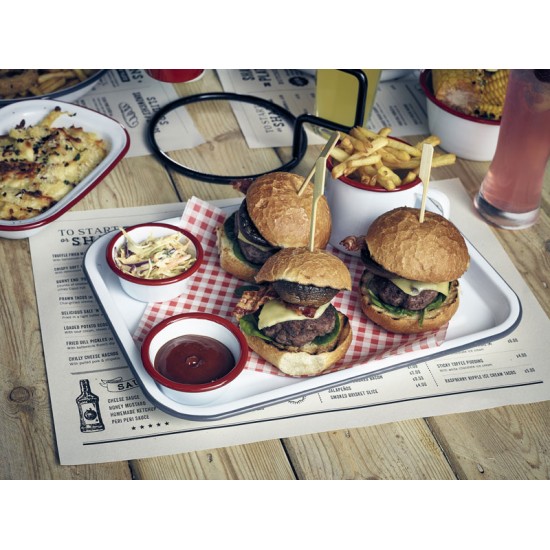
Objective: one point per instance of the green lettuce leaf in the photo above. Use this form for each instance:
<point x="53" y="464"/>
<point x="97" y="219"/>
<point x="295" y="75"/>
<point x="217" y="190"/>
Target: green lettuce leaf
<point x="403" y="312"/>
<point x="229" y="228"/>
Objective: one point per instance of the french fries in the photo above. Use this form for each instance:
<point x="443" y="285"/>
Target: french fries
<point x="18" y="83"/>
<point x="378" y="159"/>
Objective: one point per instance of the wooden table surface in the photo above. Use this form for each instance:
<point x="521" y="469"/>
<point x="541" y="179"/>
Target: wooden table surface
<point x="511" y="442"/>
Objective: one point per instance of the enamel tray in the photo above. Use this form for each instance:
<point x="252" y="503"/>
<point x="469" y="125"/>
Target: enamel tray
<point x="489" y="310"/>
<point x="33" y="111"/>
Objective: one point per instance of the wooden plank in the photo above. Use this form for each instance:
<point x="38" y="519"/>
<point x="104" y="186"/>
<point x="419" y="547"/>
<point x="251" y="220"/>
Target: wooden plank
<point x="399" y="450"/>
<point x="265" y="460"/>
<point x="137" y="181"/>
<point x="502" y="443"/>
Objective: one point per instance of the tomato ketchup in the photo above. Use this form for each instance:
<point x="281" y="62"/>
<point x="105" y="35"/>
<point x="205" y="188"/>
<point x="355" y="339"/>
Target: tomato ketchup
<point x="194" y="359"/>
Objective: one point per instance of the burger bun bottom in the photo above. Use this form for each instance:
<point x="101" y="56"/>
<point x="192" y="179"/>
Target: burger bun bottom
<point x="408" y="324"/>
<point x="229" y="262"/>
<point x="302" y="363"/>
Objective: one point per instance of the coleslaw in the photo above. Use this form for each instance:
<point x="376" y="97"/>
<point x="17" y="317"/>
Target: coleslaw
<point x="155" y="257"/>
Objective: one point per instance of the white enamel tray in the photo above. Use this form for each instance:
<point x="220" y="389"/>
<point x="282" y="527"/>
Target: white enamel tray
<point x="489" y="310"/>
<point x="33" y="111"/>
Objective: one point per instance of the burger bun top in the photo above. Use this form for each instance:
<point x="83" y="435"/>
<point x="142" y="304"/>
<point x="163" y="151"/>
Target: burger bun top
<point x="282" y="216"/>
<point x="432" y="251"/>
<point x="300" y="265"/>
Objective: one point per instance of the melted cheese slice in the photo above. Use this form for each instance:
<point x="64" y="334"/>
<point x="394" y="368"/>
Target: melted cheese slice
<point x="275" y="312"/>
<point x="414" y="288"/>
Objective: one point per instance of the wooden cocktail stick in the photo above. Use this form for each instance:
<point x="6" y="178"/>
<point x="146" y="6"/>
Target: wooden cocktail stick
<point x="333" y="140"/>
<point x="424" y="174"/>
<point x="318" y="190"/>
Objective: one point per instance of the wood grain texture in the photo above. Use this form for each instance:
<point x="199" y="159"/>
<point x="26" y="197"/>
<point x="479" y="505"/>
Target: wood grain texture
<point x="502" y="443"/>
<point x="257" y="461"/>
<point x="137" y="181"/>
<point x="399" y="450"/>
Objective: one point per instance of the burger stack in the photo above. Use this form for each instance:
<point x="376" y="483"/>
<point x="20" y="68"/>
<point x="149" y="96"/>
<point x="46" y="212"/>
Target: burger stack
<point x="272" y="216"/>
<point x="290" y="320"/>
<point x="409" y="284"/>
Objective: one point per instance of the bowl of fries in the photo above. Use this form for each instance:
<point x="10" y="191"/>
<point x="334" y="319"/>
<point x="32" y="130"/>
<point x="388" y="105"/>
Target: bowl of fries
<point x="469" y="137"/>
<point x="62" y="84"/>
<point x="371" y="173"/>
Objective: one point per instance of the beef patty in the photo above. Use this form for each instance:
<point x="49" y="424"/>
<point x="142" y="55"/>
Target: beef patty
<point x="393" y="295"/>
<point x="245" y="226"/>
<point x="299" y="333"/>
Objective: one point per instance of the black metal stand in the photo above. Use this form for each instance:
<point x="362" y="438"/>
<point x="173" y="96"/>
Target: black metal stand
<point x="299" y="142"/>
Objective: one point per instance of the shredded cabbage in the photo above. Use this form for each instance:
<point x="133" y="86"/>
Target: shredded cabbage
<point x="155" y="257"/>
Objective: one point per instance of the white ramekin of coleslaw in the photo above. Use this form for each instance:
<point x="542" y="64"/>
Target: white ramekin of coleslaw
<point x="154" y="262"/>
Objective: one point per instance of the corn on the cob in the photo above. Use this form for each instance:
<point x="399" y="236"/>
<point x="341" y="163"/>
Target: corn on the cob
<point x="477" y="92"/>
<point x="492" y="94"/>
<point x="444" y="79"/>
<point x="488" y="110"/>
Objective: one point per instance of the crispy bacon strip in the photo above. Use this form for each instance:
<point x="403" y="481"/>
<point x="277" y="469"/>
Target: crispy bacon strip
<point x="306" y="311"/>
<point x="353" y="243"/>
<point x="253" y="300"/>
<point x="242" y="184"/>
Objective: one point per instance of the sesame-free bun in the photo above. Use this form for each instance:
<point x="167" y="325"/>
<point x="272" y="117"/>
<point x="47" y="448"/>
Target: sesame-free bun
<point x="432" y="251"/>
<point x="409" y="324"/>
<point x="308" y="362"/>
<point x="229" y="262"/>
<point x="300" y="265"/>
<point x="282" y="216"/>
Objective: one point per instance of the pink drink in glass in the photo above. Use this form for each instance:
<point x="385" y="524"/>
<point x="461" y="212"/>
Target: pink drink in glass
<point x="511" y="191"/>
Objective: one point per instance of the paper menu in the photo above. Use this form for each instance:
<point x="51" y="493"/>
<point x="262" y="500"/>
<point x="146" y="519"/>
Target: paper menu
<point x="132" y="97"/>
<point x="79" y="345"/>
<point x="292" y="89"/>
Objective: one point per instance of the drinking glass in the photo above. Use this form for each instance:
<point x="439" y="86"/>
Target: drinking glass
<point x="510" y="194"/>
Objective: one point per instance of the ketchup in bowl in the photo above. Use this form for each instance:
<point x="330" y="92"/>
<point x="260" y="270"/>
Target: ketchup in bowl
<point x="194" y="359"/>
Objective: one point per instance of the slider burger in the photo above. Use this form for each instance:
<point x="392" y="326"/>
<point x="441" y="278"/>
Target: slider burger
<point x="272" y="216"/>
<point x="290" y="321"/>
<point x="410" y="283"/>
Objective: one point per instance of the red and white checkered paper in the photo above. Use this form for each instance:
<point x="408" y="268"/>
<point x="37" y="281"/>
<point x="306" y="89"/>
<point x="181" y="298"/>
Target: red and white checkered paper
<point x="212" y="290"/>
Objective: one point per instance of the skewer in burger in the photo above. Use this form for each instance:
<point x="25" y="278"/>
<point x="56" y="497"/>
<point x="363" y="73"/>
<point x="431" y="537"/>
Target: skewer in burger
<point x="290" y="320"/>
<point x="272" y="216"/>
<point x="410" y="283"/>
